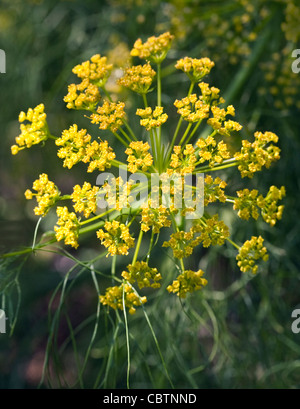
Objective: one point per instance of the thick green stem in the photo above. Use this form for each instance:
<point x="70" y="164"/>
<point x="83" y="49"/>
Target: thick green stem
<point x="138" y="245"/>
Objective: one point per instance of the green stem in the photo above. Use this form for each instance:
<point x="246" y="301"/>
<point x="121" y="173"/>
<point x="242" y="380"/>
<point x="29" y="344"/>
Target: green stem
<point x="178" y="125"/>
<point x="137" y="247"/>
<point x="96" y="217"/>
<point x="211" y="169"/>
<point x="125" y="134"/>
<point x="185" y="133"/>
<point x="129" y="130"/>
<point x="120" y="139"/>
<point x="159" y="85"/>
<point x="233" y="243"/>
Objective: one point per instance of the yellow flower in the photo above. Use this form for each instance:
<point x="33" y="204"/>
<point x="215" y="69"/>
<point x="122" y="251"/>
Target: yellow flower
<point x="47" y="194"/>
<point x="142" y="274"/>
<point x="212" y="152"/>
<point x="76" y="146"/>
<point x="85" y="198"/>
<point x="110" y="115"/>
<point x="138" y="156"/>
<point x="182" y="243"/>
<point x="117" y="193"/>
<point x="253" y="156"/>
<point x="191" y="108"/>
<point x="138" y="78"/>
<point x="251" y="251"/>
<point x="96" y="70"/>
<point x="210" y="95"/>
<point x="195" y="68"/>
<point x="68" y="227"/>
<point x="213" y="231"/>
<point x="83" y="96"/>
<point x="114" y="298"/>
<point x="183" y="160"/>
<point x="33" y="132"/>
<point x="219" y="122"/>
<point x="154" y="49"/>
<point x="152" y="119"/>
<point x="155" y="217"/>
<point x="187" y="282"/>
<point x="214" y="190"/>
<point x="116" y="238"/>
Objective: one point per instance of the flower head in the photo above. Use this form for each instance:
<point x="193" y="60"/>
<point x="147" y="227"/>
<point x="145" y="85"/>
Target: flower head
<point x="253" y="156"/>
<point x="154" y="49"/>
<point x="114" y="296"/>
<point x="142" y="274"/>
<point x="195" y="68"/>
<point x="138" y="156"/>
<point x="116" y="238"/>
<point x="187" y="282"/>
<point x="34" y="131"/>
<point x="96" y="70"/>
<point x="152" y="118"/>
<point x="251" y="251"/>
<point x="83" y="96"/>
<point x="110" y="115"/>
<point x="85" y="198"/>
<point x="68" y="227"/>
<point x="47" y="194"/>
<point x="138" y="78"/>
<point x="192" y="108"/>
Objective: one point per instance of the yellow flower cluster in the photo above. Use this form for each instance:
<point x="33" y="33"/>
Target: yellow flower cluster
<point x="47" y="194"/>
<point x="116" y="193"/>
<point x="195" y="68"/>
<point x="187" y="282"/>
<point x="154" y="49"/>
<point x="251" y="251"/>
<point x="152" y="118"/>
<point x="212" y="152"/>
<point x="68" y="227"/>
<point x="213" y="231"/>
<point x="183" y="159"/>
<point x="138" y="156"/>
<point x="192" y="108"/>
<point x="156" y="218"/>
<point x="218" y="121"/>
<point x="214" y="190"/>
<point x="76" y="146"/>
<point x="96" y="70"/>
<point x="110" y="115"/>
<point x="85" y="199"/>
<point x="270" y="211"/>
<point x="248" y="202"/>
<point x="114" y="298"/>
<point x="138" y="78"/>
<point x="182" y="243"/>
<point x="116" y="238"/>
<point x="33" y="132"/>
<point x="142" y="274"/>
<point x="253" y="156"/>
<point x="210" y="95"/>
<point x="84" y="96"/>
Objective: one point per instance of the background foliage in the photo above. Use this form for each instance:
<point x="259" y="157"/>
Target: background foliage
<point x="234" y="334"/>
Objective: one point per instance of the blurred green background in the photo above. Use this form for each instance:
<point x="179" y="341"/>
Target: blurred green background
<point x="235" y="334"/>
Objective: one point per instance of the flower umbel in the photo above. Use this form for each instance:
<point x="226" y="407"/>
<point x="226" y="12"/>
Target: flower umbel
<point x="33" y="132"/>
